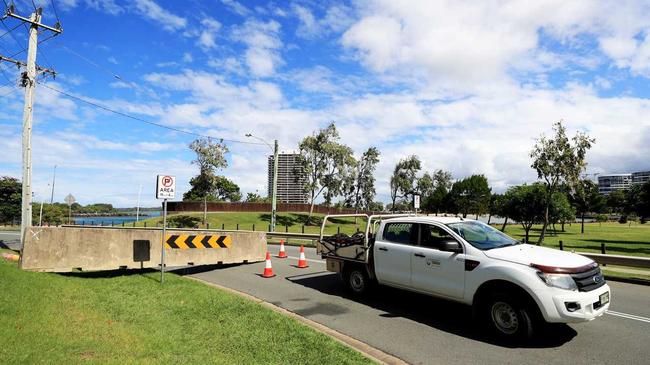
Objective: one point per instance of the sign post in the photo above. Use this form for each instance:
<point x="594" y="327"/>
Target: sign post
<point x="165" y="189"/>
<point x="69" y="200"/>
<point x="416" y="203"/>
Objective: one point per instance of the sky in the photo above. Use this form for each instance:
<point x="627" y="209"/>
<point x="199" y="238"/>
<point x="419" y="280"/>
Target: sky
<point x="466" y="85"/>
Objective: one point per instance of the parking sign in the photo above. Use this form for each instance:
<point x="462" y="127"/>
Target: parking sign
<point x="165" y="187"/>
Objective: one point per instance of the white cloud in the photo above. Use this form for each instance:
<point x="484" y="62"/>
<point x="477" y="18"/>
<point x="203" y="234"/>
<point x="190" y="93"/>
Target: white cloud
<point x="236" y="7"/>
<point x="227" y="65"/>
<point x="308" y="23"/>
<point x="187" y="57"/>
<point x="107" y="6"/>
<point x="336" y="19"/>
<point x="208" y="33"/>
<point x="462" y="43"/>
<point x="263" y="46"/>
<point x="151" y="10"/>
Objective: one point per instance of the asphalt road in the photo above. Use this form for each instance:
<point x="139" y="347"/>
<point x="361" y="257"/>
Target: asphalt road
<point x="424" y="330"/>
<point x="10" y="239"/>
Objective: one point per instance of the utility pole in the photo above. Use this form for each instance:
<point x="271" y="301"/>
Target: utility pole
<point x="29" y="82"/>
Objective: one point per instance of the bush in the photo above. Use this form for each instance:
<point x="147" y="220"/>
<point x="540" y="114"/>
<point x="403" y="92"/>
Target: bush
<point x="643" y="220"/>
<point x="622" y="219"/>
<point x="601" y="218"/>
<point x="183" y="221"/>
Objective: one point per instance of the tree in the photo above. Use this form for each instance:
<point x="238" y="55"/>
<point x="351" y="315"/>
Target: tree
<point x="561" y="210"/>
<point x="470" y="195"/>
<point x="495" y="206"/>
<point x="643" y="205"/>
<point x="557" y="161"/>
<point x="403" y="180"/>
<point x="325" y="163"/>
<point x="10" y="199"/>
<point x="53" y="214"/>
<point x="256" y="198"/>
<point x="360" y="181"/>
<point x="226" y="190"/>
<point x="586" y="198"/>
<point x="210" y="157"/>
<point x="434" y="200"/>
<point x="375" y="207"/>
<point x="525" y="204"/>
<point x="615" y="201"/>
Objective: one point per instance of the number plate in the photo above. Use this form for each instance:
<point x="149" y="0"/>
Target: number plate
<point x="604" y="298"/>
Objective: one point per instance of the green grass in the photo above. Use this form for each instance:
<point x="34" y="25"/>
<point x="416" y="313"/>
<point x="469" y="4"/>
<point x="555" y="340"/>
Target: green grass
<point x="131" y="318"/>
<point x="10" y="228"/>
<point x="638" y="275"/>
<point x="619" y="239"/>
<point x="293" y="222"/>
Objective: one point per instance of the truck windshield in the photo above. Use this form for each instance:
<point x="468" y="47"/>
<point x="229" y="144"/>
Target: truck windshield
<point x="482" y="236"/>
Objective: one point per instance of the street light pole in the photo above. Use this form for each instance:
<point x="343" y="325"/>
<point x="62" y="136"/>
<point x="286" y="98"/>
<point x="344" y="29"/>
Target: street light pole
<point x="274" y="196"/>
<point x="274" y="192"/>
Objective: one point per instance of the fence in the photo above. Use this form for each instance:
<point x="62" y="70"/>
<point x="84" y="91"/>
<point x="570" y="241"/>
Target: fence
<point x="253" y="207"/>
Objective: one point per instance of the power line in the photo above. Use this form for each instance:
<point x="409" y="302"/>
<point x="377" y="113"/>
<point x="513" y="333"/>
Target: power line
<point x="55" y="12"/>
<point x="13" y="89"/>
<point x="9" y="31"/>
<point x="84" y="58"/>
<point x="144" y="120"/>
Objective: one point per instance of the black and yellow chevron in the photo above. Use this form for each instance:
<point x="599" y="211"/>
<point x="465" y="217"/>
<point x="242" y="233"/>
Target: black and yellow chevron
<point x="186" y="241"/>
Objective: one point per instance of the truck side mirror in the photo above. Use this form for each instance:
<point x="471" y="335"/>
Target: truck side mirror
<point x="451" y="246"/>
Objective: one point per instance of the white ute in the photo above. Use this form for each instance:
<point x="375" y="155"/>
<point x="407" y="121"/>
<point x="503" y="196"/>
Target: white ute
<point x="510" y="285"/>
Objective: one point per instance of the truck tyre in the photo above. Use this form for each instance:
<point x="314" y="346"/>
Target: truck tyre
<point x="508" y="316"/>
<point x="357" y="280"/>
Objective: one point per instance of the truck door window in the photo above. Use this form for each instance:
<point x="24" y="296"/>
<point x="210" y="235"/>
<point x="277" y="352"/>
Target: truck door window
<point x="431" y="236"/>
<point x="399" y="233"/>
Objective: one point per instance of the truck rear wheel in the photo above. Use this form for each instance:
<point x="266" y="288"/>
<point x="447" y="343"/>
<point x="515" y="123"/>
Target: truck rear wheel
<point x="508" y="316"/>
<point x="357" y="280"/>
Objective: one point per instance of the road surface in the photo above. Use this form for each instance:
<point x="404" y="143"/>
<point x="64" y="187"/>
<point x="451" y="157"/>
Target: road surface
<point x="424" y="330"/>
<point x="10" y="240"/>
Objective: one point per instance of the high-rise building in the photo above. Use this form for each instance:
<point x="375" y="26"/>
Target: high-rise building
<point x="291" y="179"/>
<point x="640" y="177"/>
<point x="612" y="182"/>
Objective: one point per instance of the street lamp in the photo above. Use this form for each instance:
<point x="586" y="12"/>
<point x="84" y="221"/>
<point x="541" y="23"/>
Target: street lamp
<point x="274" y="194"/>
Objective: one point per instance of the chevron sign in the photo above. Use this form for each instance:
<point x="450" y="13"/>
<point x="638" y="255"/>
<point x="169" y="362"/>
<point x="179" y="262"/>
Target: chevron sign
<point x="186" y="241"/>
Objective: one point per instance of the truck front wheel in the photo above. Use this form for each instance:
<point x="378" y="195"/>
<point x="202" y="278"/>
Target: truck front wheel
<point x="508" y="317"/>
<point x="356" y="280"/>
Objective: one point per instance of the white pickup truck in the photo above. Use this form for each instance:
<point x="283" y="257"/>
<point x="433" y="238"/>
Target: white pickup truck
<point x="510" y="285"/>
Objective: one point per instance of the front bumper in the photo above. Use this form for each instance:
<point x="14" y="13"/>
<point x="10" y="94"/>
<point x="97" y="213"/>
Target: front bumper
<point x="589" y="305"/>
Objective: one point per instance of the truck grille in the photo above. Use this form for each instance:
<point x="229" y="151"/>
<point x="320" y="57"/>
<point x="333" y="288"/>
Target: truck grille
<point x="589" y="280"/>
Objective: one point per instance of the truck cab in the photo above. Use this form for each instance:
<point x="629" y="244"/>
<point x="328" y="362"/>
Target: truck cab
<point x="512" y="286"/>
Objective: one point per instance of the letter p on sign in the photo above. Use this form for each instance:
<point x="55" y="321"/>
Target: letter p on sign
<point x="165" y="187"/>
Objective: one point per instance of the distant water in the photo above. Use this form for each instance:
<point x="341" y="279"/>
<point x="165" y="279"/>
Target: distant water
<point x="116" y="220"/>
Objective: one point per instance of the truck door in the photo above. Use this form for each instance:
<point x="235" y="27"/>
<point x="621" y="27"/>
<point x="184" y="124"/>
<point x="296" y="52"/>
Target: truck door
<point x="436" y="271"/>
<point x="393" y="253"/>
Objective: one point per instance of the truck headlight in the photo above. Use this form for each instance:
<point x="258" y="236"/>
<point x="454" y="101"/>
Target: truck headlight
<point x="562" y="281"/>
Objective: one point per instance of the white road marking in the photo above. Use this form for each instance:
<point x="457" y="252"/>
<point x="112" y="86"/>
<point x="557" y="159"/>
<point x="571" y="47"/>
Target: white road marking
<point x="11" y="233"/>
<point x="628" y="316"/>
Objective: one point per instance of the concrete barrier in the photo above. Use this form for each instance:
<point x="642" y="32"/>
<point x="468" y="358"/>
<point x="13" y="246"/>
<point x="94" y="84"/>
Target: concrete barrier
<point x="62" y="249"/>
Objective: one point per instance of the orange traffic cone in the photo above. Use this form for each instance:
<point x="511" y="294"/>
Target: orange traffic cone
<point x="282" y="254"/>
<point x="302" y="261"/>
<point x="268" y="269"/>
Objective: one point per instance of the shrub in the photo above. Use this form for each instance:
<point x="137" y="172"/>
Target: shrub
<point x="183" y="221"/>
<point x="643" y="220"/>
<point x="601" y="218"/>
<point x="622" y="219"/>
